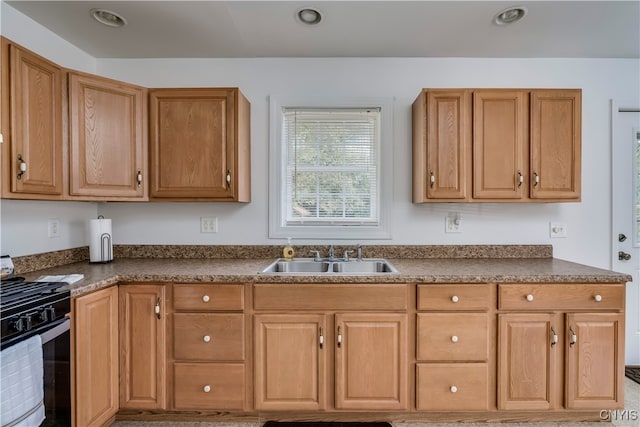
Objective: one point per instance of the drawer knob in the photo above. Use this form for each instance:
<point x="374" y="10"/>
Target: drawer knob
<point x="454" y="389"/>
<point x="454" y="338"/>
<point x="206" y="388"/>
<point x="455" y="298"/>
<point x="530" y="297"/>
<point x="206" y="338"/>
<point x="598" y="298"/>
<point x="205" y="298"/>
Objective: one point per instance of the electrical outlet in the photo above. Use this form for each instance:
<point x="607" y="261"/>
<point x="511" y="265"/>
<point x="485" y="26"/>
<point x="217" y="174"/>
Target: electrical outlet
<point x="557" y="229"/>
<point x="209" y="225"/>
<point x="53" y="228"/>
<point x="453" y="223"/>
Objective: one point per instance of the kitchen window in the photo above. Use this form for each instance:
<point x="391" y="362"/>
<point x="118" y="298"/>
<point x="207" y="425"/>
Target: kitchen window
<point x="328" y="170"/>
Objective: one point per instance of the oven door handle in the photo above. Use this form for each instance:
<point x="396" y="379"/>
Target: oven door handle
<point x="55" y="331"/>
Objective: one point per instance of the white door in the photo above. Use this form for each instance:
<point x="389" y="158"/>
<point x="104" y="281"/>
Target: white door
<point x="625" y="254"/>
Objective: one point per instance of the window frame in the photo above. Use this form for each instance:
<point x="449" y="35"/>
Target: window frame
<point x="277" y="172"/>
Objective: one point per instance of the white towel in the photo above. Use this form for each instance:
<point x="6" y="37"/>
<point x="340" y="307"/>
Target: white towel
<point x="22" y="384"/>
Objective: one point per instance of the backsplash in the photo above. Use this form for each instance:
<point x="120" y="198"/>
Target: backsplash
<point x="25" y="264"/>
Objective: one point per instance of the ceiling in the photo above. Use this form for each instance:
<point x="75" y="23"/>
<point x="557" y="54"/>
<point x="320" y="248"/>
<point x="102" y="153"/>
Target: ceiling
<point x="265" y="28"/>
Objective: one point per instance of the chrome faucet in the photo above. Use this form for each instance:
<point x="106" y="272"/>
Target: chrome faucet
<point x="359" y="252"/>
<point x="331" y="253"/>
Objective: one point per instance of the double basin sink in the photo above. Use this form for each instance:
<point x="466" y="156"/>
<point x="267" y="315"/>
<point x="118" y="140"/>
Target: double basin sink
<point x="326" y="266"/>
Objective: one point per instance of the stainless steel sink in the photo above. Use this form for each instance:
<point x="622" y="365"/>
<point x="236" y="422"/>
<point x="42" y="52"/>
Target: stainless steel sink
<point x="324" y="266"/>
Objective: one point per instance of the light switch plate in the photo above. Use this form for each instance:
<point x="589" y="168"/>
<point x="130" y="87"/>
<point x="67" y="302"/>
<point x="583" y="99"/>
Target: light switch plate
<point x="557" y="229"/>
<point x="53" y="228"/>
<point x="209" y="225"/>
<point x="453" y="223"/>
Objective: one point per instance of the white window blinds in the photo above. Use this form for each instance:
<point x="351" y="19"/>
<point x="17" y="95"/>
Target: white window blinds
<point x="331" y="159"/>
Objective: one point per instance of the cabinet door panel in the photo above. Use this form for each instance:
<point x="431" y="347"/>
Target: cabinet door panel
<point x="208" y="336"/>
<point x="595" y="362"/>
<point x="107" y="141"/>
<point x="556" y="144"/>
<point x="499" y="144"/>
<point x="289" y="362"/>
<point x="527" y="361"/>
<point x="36" y="124"/>
<point x="96" y="357"/>
<point x="371" y="361"/>
<point x="142" y="344"/>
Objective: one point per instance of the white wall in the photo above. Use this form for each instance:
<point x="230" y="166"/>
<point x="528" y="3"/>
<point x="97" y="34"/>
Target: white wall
<point x="588" y="222"/>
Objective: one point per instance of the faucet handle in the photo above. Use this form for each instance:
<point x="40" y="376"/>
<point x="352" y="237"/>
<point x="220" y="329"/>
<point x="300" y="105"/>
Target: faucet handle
<point x="317" y="257"/>
<point x="346" y="255"/>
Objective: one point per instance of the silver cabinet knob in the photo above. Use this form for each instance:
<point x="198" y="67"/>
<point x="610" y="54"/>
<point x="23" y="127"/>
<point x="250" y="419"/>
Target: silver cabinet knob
<point x="454" y="389"/>
<point x="530" y="297"/>
<point x="598" y="298"/>
<point x="206" y="338"/>
<point x="206" y="388"/>
<point x="455" y="299"/>
<point x="454" y="338"/>
<point x="205" y="298"/>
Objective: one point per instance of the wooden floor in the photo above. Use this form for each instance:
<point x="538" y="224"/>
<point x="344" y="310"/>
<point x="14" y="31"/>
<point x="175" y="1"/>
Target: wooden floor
<point x="632" y="410"/>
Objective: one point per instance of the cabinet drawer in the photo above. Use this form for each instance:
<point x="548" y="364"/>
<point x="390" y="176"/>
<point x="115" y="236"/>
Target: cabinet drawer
<point x="561" y="297"/>
<point x="451" y="386"/>
<point x="208" y="336"/>
<point x="453" y="297"/>
<point x="225" y="382"/>
<point x="208" y="297"/>
<point x="452" y="336"/>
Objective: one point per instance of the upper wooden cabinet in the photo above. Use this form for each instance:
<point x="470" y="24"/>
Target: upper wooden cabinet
<point x="32" y="152"/>
<point x="199" y="145"/>
<point x="496" y="145"/>
<point x="107" y="138"/>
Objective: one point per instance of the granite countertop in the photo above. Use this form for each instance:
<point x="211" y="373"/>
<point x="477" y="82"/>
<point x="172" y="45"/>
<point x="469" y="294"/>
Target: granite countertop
<point x="228" y="270"/>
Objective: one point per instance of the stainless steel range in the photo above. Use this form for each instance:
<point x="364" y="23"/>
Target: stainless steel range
<point x="40" y="308"/>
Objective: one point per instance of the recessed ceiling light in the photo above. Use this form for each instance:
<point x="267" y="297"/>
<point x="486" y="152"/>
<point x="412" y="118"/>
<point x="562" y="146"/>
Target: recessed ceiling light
<point x="309" y="16"/>
<point x="108" y="17"/>
<point x="510" y="15"/>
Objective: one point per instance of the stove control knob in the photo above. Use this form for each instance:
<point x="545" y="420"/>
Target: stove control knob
<point x="48" y="314"/>
<point x="23" y="323"/>
<point x="18" y="325"/>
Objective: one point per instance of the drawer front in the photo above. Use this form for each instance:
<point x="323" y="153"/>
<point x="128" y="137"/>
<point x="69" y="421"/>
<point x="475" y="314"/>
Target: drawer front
<point x="224" y="382"/>
<point x="452" y="336"/>
<point x="561" y="297"/>
<point x="453" y="297"/>
<point x="208" y="336"/>
<point x="330" y="296"/>
<point x="208" y="297"/>
<point x="452" y="387"/>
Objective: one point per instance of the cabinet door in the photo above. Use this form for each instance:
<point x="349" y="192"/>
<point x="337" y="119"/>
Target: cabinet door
<point x="499" y="144"/>
<point x="555" y="144"/>
<point x="107" y="141"/>
<point x="290" y="361"/>
<point x="36" y="124"/>
<point x="96" y="357"/>
<point x="527" y="361"/>
<point x="371" y="361"/>
<point x="192" y="137"/>
<point x="595" y="361"/>
<point x="142" y="346"/>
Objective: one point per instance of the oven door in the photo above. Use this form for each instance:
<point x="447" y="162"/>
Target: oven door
<point x="56" y="349"/>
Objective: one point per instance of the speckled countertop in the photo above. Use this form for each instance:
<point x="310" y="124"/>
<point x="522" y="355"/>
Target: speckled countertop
<point x="429" y="270"/>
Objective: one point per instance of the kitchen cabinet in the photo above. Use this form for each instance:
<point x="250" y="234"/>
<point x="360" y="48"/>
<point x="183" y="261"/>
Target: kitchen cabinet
<point x="207" y="359"/>
<point x="452" y="347"/>
<point x="560" y="346"/>
<point x="497" y="145"/>
<point x="369" y="348"/>
<point x="142" y="313"/>
<point x="95" y="350"/>
<point x="33" y="152"/>
<point x="199" y="145"/>
<point x="107" y="138"/>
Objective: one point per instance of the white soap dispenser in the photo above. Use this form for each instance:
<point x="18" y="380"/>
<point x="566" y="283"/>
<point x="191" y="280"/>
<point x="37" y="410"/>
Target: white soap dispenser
<point x="288" y="251"/>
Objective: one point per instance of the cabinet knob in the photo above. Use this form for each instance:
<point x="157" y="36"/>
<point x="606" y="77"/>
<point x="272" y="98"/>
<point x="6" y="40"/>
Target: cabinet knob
<point x="432" y="179"/>
<point x="598" y="298"/>
<point x="206" y="388"/>
<point x="22" y="166"/>
<point x="454" y="389"/>
<point x="206" y="338"/>
<point x="454" y="338"/>
<point x="205" y="298"/>
<point x="139" y="178"/>
<point x="455" y="298"/>
<point x="530" y="297"/>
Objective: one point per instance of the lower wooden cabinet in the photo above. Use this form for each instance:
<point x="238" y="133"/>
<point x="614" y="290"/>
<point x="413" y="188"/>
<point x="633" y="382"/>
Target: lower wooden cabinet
<point x="95" y="338"/>
<point x="209" y="385"/>
<point x="452" y="386"/>
<point x="142" y="346"/>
